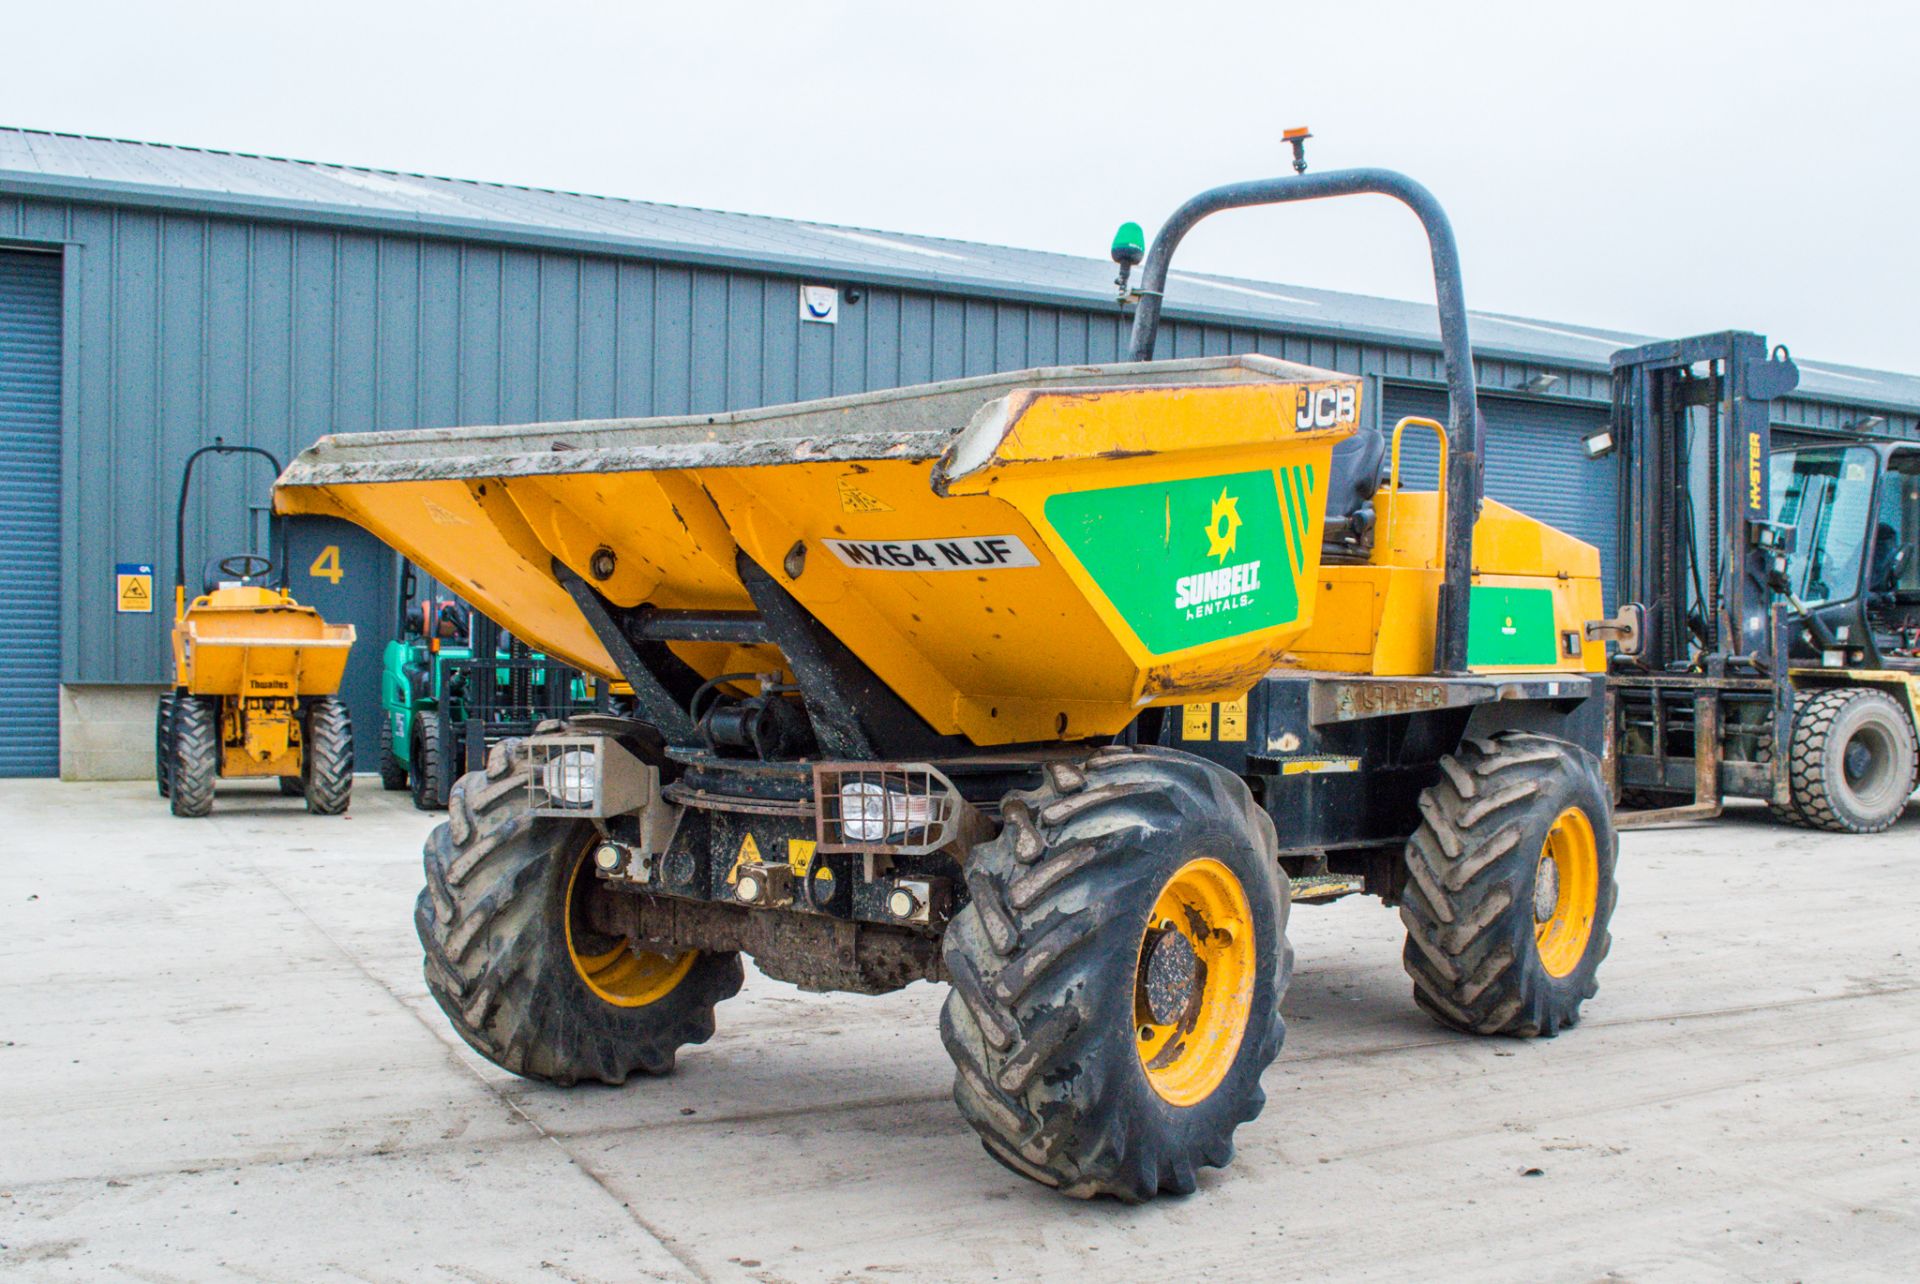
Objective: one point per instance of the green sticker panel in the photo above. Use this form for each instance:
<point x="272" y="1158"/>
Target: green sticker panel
<point x="1195" y="561"/>
<point x="1511" y="626"/>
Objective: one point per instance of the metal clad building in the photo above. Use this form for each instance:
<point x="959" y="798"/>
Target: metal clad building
<point x="154" y="297"/>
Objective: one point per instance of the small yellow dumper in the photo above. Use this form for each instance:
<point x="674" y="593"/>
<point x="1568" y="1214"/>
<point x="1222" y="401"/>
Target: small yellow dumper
<point x="254" y="680"/>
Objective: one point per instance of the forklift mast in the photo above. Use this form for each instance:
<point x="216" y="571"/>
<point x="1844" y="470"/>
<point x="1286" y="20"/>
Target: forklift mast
<point x="1698" y="551"/>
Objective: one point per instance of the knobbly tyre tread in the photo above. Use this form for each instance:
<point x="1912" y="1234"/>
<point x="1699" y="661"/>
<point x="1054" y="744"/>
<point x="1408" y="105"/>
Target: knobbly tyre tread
<point x="1468" y="902"/>
<point x="326" y="757"/>
<point x="1046" y="1070"/>
<point x="424" y="774"/>
<point x="496" y="953"/>
<point x="1813" y="802"/>
<point x="393" y="772"/>
<point x="196" y="755"/>
<point x="162" y="745"/>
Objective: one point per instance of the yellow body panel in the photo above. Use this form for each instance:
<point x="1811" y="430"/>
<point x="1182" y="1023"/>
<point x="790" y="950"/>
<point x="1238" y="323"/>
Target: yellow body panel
<point x="1378" y="617"/>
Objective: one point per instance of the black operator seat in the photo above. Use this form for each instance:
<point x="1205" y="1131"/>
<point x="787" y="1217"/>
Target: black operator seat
<point x="1352" y="479"/>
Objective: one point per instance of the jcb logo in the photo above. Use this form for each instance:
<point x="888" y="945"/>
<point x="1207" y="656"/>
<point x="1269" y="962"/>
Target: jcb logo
<point x="1326" y="406"/>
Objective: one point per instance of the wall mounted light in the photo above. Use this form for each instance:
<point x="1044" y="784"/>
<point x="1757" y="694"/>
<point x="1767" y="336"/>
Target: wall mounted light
<point x="1538" y="384"/>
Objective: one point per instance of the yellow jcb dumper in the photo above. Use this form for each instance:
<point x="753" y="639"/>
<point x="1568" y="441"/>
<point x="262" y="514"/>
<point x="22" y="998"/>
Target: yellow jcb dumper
<point x="1058" y="686"/>
<point x="254" y="677"/>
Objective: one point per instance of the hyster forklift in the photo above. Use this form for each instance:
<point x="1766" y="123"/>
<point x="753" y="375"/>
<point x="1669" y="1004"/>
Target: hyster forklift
<point x="452" y="685"/>
<point x="1058" y="686"/>
<point x="254" y="678"/>
<point x="1772" y="646"/>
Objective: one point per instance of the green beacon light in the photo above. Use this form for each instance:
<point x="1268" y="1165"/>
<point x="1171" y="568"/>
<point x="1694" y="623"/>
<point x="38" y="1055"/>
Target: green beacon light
<point x="1129" y="247"/>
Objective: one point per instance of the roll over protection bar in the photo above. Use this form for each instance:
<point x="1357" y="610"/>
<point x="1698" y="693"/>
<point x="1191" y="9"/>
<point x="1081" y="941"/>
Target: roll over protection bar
<point x="1463" y="482"/>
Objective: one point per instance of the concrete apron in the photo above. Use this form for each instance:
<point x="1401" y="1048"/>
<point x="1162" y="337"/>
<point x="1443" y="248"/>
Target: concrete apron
<point x="218" y="1060"/>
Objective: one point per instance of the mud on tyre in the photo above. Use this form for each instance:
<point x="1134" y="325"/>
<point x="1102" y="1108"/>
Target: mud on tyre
<point x="1117" y="975"/>
<point x="1510" y="886"/>
<point x="513" y="961"/>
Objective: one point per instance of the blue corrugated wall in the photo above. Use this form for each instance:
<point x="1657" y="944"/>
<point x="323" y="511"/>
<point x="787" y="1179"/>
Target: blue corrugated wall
<point x="181" y="326"/>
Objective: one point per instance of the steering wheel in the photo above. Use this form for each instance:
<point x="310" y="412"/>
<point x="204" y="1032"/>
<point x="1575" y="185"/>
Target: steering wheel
<point x="245" y="566"/>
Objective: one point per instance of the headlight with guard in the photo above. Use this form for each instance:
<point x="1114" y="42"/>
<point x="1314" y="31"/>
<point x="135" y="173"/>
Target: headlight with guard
<point x="568" y="778"/>
<point x="872" y="813"/>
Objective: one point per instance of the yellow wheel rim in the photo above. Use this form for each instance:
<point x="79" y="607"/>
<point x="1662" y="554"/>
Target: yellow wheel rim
<point x="621" y="975"/>
<point x="1566" y="892"/>
<point x="1193" y="985"/>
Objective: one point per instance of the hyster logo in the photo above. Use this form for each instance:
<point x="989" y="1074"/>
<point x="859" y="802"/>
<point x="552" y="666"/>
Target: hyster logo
<point x="1755" y="495"/>
<point x="1226" y="589"/>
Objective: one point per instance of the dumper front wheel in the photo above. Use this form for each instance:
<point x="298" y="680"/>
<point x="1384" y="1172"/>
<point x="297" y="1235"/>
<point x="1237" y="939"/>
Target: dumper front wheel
<point x="513" y="958"/>
<point x="1117" y="975"/>
<point x="1510" y="886"/>
<point x="193" y="754"/>
<point x="326" y="760"/>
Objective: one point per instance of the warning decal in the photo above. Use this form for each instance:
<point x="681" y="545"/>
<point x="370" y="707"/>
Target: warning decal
<point x="133" y="588"/>
<point x="855" y="500"/>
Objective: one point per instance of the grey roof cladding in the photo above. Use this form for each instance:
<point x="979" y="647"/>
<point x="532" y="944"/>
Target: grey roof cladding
<point x="116" y="171"/>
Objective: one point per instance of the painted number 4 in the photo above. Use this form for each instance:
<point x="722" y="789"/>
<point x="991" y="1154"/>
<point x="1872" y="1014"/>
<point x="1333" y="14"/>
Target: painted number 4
<point x="327" y="566"/>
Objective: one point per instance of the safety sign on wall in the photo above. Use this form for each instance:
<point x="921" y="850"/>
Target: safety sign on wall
<point x="133" y="587"/>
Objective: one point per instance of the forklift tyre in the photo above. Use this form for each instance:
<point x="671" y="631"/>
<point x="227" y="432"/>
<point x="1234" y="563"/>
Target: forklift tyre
<point x="1510" y="886"/>
<point x="162" y="744"/>
<point x="326" y="759"/>
<point x="513" y="961"/>
<point x="194" y="736"/>
<point x="292" y="786"/>
<point x="424" y="773"/>
<point x="393" y="772"/>
<point x="1117" y="975"/>
<point x="1851" y="762"/>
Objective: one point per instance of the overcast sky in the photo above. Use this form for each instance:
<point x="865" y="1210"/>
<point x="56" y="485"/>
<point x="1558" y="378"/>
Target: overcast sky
<point x="1666" y="168"/>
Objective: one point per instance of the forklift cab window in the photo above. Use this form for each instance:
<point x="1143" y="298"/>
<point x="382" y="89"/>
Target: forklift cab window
<point x="1896" y="549"/>
<point x="1826" y="496"/>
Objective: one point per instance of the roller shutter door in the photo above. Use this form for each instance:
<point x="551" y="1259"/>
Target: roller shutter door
<point x="1536" y="461"/>
<point x="30" y="513"/>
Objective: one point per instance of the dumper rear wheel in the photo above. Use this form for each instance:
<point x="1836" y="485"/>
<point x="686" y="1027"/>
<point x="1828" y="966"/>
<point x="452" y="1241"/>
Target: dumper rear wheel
<point x="1510" y="886"/>
<point x="513" y="959"/>
<point x="163" y="742"/>
<point x="1117" y="975"/>
<point x="326" y="760"/>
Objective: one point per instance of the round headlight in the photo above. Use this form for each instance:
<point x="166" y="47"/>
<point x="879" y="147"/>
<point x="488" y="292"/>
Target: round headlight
<point x="568" y="779"/>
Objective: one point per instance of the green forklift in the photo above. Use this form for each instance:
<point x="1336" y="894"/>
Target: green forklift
<point x="452" y="684"/>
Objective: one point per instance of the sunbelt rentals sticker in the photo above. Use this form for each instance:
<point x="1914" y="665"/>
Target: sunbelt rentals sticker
<point x="1193" y="561"/>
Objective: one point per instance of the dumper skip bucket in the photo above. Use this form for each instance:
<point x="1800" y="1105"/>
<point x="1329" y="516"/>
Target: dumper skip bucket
<point x="1020" y="557"/>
